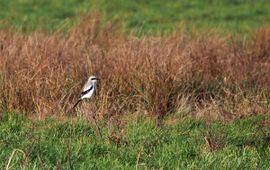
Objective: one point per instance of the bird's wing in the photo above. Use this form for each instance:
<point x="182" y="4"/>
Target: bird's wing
<point x="87" y="90"/>
<point x="87" y="85"/>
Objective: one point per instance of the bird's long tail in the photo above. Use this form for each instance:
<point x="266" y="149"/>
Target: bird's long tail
<point x="76" y="103"/>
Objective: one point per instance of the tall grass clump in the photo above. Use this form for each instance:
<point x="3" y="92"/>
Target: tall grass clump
<point x="218" y="77"/>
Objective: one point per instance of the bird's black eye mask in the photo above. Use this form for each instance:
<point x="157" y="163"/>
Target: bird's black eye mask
<point x="94" y="78"/>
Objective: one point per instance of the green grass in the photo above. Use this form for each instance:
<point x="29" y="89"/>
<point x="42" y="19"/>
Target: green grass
<point x="155" y="16"/>
<point x="143" y="16"/>
<point x="52" y="144"/>
<point x="49" y="15"/>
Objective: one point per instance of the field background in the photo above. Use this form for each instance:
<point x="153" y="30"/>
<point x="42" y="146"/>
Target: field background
<point x="219" y="119"/>
<point x="235" y="16"/>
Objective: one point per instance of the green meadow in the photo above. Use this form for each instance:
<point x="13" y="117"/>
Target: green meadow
<point x="142" y="16"/>
<point x="52" y="144"/>
<point x="187" y="143"/>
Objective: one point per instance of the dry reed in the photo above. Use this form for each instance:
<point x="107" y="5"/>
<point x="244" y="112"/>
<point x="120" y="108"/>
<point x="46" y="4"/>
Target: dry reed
<point x="222" y="77"/>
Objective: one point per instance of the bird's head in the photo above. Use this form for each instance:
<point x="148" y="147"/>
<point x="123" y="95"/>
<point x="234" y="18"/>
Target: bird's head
<point x="93" y="79"/>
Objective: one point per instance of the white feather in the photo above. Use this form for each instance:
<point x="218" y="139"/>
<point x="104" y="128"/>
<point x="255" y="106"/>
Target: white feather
<point x="89" y="88"/>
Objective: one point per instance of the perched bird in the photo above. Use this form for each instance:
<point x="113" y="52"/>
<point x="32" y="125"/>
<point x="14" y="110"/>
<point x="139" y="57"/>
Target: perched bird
<point x="88" y="89"/>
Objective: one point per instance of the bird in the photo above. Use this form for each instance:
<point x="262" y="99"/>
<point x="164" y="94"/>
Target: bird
<point x="88" y="89"/>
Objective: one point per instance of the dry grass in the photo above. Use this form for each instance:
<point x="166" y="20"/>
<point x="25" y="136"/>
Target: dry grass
<point x="217" y="77"/>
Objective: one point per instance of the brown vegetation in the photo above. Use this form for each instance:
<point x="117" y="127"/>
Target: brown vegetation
<point x="201" y="74"/>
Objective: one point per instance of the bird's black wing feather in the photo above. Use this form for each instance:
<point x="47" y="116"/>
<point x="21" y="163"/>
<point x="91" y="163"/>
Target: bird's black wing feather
<point x="76" y="103"/>
<point x="86" y="91"/>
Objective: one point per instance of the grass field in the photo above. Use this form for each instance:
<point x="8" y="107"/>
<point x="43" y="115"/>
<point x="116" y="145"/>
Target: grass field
<point x="193" y="99"/>
<point x="235" y="16"/>
<point x="50" y="144"/>
<point x="30" y="15"/>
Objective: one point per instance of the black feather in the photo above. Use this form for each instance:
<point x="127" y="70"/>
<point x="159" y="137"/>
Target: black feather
<point x="86" y="91"/>
<point x="76" y="103"/>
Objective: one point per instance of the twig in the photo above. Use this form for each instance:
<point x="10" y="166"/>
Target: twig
<point x="138" y="159"/>
<point x="12" y="155"/>
<point x="97" y="127"/>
